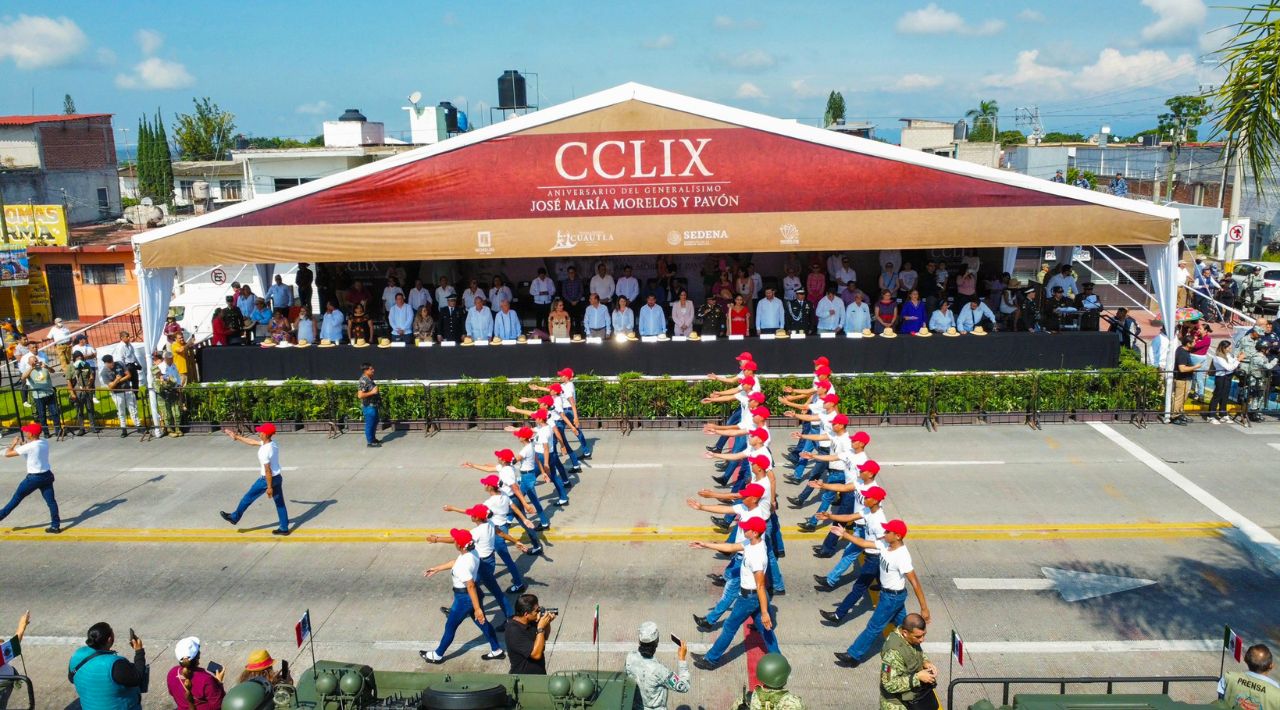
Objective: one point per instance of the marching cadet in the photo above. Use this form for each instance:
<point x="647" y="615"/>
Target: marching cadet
<point x="569" y="395"/>
<point x="752" y="601"/>
<point x="869" y="522"/>
<point x="906" y="674"/>
<point x="509" y="485"/>
<point x="483" y="536"/>
<point x="822" y="420"/>
<point x="653" y="679"/>
<point x="762" y="470"/>
<point x="466" y="599"/>
<point x="543" y="443"/>
<point x="854" y="461"/>
<point x="555" y="416"/>
<point x="839" y="453"/>
<point x="736" y="416"/>
<point x="751" y="506"/>
<point x="732" y="461"/>
<point x="896" y="571"/>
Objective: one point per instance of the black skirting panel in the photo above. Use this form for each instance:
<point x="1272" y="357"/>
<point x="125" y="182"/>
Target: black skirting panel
<point x="1000" y="351"/>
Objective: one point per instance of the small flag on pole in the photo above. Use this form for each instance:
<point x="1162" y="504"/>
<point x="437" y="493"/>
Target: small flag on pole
<point x="595" y="625"/>
<point x="1232" y="642"/>
<point x="957" y="647"/>
<point x="302" y="629"/>
<point x="9" y="650"/>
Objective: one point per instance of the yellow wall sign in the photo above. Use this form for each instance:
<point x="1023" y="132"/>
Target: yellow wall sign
<point x="36" y="225"/>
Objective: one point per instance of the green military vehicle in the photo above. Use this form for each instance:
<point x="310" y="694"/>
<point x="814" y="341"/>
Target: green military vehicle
<point x="1106" y="699"/>
<point x="350" y="686"/>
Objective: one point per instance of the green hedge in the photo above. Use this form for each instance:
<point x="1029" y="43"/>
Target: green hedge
<point x="632" y="396"/>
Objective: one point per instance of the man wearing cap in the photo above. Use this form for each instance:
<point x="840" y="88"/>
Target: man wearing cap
<point x="1090" y="307"/>
<point x="762" y="487"/>
<point x="451" y="326"/>
<point x="837" y="459"/>
<point x="545" y="442"/>
<point x="851" y="501"/>
<point x="798" y="313"/>
<point x="751" y="505"/>
<point x="464" y="571"/>
<point x="736" y="461"/>
<point x="746" y="368"/>
<point x="752" y="601"/>
<point x="896" y="571"/>
<point x="569" y="398"/>
<point x="975" y="315"/>
<point x="113" y="377"/>
<point x="822" y="437"/>
<point x="653" y="679"/>
<point x="39" y="474"/>
<point x="269" y="480"/>
<point x="61" y="337"/>
<point x="484" y="535"/>
<point x="554" y="408"/>
<point x="869" y="524"/>
<point x="509" y="486"/>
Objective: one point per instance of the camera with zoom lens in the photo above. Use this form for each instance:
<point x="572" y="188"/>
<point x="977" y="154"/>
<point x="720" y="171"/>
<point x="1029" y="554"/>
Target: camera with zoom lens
<point x="547" y="610"/>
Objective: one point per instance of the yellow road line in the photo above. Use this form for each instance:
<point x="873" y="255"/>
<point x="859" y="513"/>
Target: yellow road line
<point x="999" y="531"/>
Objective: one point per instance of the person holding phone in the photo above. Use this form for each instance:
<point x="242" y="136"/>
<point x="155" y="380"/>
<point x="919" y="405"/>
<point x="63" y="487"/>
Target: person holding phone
<point x="652" y="678"/>
<point x="102" y="678"/>
<point x="193" y="687"/>
<point x="526" y="636"/>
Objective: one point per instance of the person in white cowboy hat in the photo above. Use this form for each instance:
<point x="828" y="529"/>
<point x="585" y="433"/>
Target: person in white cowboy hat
<point x="974" y="315"/>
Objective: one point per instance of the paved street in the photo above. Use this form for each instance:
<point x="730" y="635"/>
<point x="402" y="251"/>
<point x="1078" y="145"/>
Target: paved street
<point x="1192" y="509"/>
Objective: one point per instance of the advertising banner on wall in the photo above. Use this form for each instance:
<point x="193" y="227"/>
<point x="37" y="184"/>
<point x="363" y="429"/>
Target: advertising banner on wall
<point x="36" y="225"/>
<point x="15" y="269"/>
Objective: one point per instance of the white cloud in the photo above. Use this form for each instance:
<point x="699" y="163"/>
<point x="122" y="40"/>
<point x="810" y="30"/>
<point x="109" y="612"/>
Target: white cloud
<point x="1111" y="68"/>
<point x="1176" y="20"/>
<point x="1029" y="72"/>
<point x="1214" y="39"/>
<point x="915" y="82"/>
<point x="933" y="20"/>
<point x="149" y="41"/>
<point x="801" y="90"/>
<point x="156" y="73"/>
<point x="1115" y="68"/>
<point x="1029" y="15"/>
<point x="724" y="22"/>
<point x="747" y="90"/>
<point x="37" y="42"/>
<point x="315" y="108"/>
<point x="664" y="41"/>
<point x="749" y="60"/>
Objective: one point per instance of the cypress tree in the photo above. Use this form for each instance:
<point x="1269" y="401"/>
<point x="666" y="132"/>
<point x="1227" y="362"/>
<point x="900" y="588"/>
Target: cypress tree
<point x="144" y="159"/>
<point x="164" y="160"/>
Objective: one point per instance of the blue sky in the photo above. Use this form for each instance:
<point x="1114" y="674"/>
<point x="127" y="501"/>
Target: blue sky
<point x="284" y="67"/>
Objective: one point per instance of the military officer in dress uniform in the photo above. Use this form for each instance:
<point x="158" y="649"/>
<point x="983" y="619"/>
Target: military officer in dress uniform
<point x="906" y="674"/>
<point x="452" y="320"/>
<point x="653" y="679"/>
<point x="798" y="313"/>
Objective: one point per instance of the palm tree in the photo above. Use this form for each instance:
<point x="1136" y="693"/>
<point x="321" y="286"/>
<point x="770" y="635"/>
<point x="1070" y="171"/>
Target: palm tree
<point x="1248" y="102"/>
<point x="986" y="112"/>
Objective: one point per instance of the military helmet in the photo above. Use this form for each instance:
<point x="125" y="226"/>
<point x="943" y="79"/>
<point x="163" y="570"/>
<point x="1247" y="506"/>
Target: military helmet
<point x="773" y="670"/>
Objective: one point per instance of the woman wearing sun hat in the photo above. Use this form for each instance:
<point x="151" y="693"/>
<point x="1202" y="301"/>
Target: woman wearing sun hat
<point x="262" y="666"/>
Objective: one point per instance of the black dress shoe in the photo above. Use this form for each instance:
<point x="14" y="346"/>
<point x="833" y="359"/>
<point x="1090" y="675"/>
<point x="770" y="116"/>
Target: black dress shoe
<point x="779" y="592"/>
<point x="716" y="579"/>
<point x="226" y="516"/>
<point x="722" y="465"/>
<point x="700" y="661"/>
<point x="823" y="585"/>
<point x="807" y="526"/>
<point x="721" y="480"/>
<point x="823" y="554"/>
<point x="517" y="588"/>
<point x="795" y="501"/>
<point x="281" y="533"/>
<point x="713" y="449"/>
<point x="703" y="625"/>
<point x="374" y="445"/>
<point x="830" y="616"/>
<point x="53" y="530"/>
<point x="844" y="660"/>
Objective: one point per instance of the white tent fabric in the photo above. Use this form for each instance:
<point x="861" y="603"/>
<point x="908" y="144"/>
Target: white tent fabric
<point x="1162" y="265"/>
<point x="155" y="290"/>
<point x="1010" y="258"/>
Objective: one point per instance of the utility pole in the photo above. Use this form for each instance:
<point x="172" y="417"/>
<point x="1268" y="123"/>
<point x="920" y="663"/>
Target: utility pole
<point x="1237" y="186"/>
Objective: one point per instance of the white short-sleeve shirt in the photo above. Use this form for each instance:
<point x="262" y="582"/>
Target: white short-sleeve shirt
<point x="841" y="447"/>
<point x="269" y="453"/>
<point x="507" y="480"/>
<point x="894" y="566"/>
<point x="743" y="513"/>
<point x="465" y="569"/>
<point x="500" y="507"/>
<point x="37" y="455"/>
<point x="528" y="460"/>
<point x="755" y="558"/>
<point x="483" y="535"/>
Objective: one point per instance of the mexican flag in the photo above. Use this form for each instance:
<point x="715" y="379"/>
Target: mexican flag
<point x="10" y="650"/>
<point x="1232" y="642"/>
<point x="957" y="647"/>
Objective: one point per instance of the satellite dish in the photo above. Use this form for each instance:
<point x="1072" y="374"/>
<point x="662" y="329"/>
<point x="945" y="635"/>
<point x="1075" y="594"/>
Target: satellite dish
<point x="415" y="97"/>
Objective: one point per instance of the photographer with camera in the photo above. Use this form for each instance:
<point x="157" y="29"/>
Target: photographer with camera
<point x="907" y="676"/>
<point x="526" y="636"/>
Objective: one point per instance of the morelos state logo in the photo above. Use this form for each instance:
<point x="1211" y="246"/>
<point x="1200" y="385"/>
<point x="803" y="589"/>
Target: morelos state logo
<point x="790" y="235"/>
<point x="569" y="240"/>
<point x="484" y="242"/>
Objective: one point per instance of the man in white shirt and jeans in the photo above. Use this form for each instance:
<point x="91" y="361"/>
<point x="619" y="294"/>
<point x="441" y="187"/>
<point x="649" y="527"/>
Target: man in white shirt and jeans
<point x="896" y="572"/>
<point x="39" y="475"/>
<point x="269" y="480"/>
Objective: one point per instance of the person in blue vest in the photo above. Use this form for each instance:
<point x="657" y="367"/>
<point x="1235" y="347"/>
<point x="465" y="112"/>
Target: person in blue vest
<point x="103" y="679"/>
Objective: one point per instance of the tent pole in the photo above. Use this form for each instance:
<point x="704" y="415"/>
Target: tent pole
<point x="1170" y="319"/>
<point x="143" y="311"/>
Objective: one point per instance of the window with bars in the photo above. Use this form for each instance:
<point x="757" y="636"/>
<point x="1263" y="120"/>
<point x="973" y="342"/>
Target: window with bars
<point x="186" y="190"/>
<point x="102" y="274"/>
<point x="231" y="190"/>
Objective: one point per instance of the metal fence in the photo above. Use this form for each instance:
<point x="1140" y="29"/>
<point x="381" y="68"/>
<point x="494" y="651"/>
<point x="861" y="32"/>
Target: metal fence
<point x="1060" y="685"/>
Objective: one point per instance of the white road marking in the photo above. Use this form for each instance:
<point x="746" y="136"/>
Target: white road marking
<point x="1274" y="446"/>
<point x="1072" y="585"/>
<point x="201" y="469"/>
<point x="943" y="463"/>
<point x="1256" y="430"/>
<point x="1265" y="545"/>
<point x="623" y="465"/>
<point x="934" y="647"/>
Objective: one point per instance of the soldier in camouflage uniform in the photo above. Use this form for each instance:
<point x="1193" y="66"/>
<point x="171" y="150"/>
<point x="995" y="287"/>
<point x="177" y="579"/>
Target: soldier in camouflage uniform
<point x="1256" y="362"/>
<point x="905" y="672"/>
<point x="772" y="671"/>
<point x="651" y="677"/>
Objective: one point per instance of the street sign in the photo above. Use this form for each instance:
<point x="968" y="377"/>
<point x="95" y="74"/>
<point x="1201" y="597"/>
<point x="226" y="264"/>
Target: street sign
<point x="218" y="276"/>
<point x="1238" y="231"/>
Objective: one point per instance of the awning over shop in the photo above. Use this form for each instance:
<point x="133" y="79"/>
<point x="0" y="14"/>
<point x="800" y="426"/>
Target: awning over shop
<point x="636" y="170"/>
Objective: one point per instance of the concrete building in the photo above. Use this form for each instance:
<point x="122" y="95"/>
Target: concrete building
<point x="223" y="183"/>
<point x="930" y="136"/>
<point x="349" y="142"/>
<point x="67" y="160"/>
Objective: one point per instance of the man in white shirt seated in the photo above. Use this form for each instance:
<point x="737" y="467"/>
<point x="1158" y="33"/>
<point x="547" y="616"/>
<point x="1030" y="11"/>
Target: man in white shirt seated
<point x="400" y="318"/>
<point x="974" y="315"/>
<point x="479" y="324"/>
<point x="769" y="317"/>
<point x="653" y="320"/>
<point x="857" y="315"/>
<point x="942" y="319"/>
